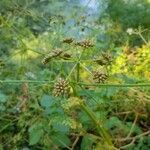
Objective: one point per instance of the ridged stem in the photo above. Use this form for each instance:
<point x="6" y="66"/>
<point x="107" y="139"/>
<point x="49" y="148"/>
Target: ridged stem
<point x="78" y="83"/>
<point x="101" y="130"/>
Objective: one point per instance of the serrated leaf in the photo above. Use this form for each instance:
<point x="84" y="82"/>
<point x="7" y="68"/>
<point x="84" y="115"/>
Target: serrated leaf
<point x="113" y="122"/>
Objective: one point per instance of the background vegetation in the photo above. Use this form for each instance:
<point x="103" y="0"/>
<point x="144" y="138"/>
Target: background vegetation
<point x="74" y="74"/>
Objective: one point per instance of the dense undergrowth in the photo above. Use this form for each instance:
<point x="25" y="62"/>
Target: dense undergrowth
<point x="74" y="81"/>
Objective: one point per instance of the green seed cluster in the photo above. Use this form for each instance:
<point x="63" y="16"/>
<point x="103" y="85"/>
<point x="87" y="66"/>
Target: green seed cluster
<point x="61" y="88"/>
<point x="85" y="44"/>
<point x="55" y="53"/>
<point x="104" y="59"/>
<point x="99" y="76"/>
<point x="68" y="40"/>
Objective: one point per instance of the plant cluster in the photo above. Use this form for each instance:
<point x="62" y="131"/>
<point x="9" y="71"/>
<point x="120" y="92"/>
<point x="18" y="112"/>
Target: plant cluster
<point x="73" y="84"/>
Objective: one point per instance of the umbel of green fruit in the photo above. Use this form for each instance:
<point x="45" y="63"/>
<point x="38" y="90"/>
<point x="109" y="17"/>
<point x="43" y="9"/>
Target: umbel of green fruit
<point x="55" y="53"/>
<point x="85" y="44"/>
<point x="68" y="40"/>
<point x="104" y="59"/>
<point x="100" y="76"/>
<point x="61" y="88"/>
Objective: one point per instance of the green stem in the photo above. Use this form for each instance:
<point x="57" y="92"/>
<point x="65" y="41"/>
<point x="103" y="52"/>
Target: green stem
<point x="78" y="72"/>
<point x="24" y="81"/>
<point x="71" y="71"/>
<point x="78" y="83"/>
<point x="114" y="85"/>
<point x="101" y="130"/>
<point x="141" y="36"/>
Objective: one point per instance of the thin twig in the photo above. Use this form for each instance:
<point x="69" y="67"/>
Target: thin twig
<point x="75" y="142"/>
<point x="133" y="125"/>
<point x="135" y="137"/>
<point x="124" y="113"/>
<point x="86" y="68"/>
<point x="126" y="146"/>
<point x="142" y="38"/>
<point x="71" y="71"/>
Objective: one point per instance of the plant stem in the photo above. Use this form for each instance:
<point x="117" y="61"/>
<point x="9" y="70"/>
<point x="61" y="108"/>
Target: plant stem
<point x="141" y="36"/>
<point x="23" y="81"/>
<point x="71" y="71"/>
<point x="101" y="130"/>
<point x="114" y="85"/>
<point x="78" y="83"/>
<point x="78" y="72"/>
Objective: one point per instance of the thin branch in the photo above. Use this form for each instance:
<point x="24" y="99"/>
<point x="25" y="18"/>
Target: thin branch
<point x="133" y="125"/>
<point x="135" y="137"/>
<point x="123" y="113"/>
<point x="142" y="38"/>
<point x="86" y="68"/>
<point x="128" y="145"/>
<point x="75" y="142"/>
<point x="71" y="71"/>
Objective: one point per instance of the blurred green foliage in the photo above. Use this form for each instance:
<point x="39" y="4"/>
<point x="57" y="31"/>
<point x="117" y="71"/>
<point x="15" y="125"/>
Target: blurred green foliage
<point x="130" y="13"/>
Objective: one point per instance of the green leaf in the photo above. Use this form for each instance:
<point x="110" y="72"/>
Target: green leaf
<point x="136" y="130"/>
<point x="61" y="139"/>
<point x="2" y="107"/>
<point x="3" y="97"/>
<point x="113" y="122"/>
<point x="35" y="136"/>
<point x="47" y="101"/>
<point x="35" y="133"/>
<point x="111" y="91"/>
<point x="102" y="146"/>
<point x="1" y="147"/>
<point x="61" y="128"/>
<point x="85" y="120"/>
<point x="87" y="143"/>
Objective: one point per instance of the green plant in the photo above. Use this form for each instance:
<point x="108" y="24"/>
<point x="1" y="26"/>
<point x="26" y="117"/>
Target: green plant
<point x="70" y="81"/>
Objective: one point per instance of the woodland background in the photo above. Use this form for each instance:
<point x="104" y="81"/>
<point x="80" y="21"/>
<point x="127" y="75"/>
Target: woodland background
<point x="74" y="74"/>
